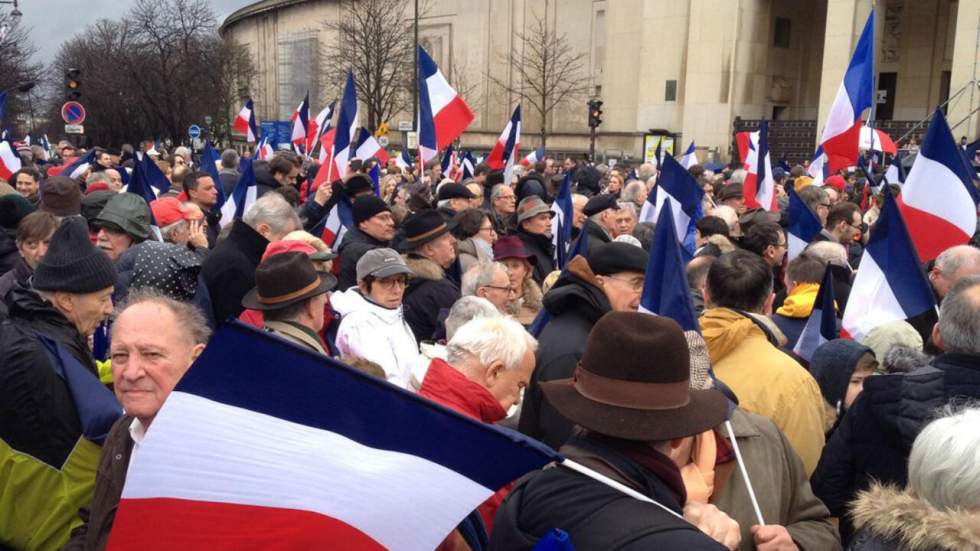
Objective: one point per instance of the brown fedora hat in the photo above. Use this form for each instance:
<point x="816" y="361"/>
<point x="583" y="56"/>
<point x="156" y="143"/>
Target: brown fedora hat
<point x="632" y="382"/>
<point x="285" y="279"/>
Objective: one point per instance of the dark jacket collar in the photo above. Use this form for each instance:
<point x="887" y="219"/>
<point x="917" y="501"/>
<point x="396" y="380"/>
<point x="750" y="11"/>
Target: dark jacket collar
<point x="577" y="290"/>
<point x="251" y="242"/>
<point x="29" y="309"/>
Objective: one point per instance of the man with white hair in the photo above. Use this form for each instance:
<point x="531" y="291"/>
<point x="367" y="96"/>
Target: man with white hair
<point x="229" y="271"/>
<point x="835" y="255"/>
<point x="730" y="216"/>
<point x="488" y="363"/>
<point x="489" y="280"/>
<point x="950" y="266"/>
<point x="463" y="311"/>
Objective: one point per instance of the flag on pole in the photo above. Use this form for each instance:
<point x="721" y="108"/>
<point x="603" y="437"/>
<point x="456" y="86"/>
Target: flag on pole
<point x="745" y="142"/>
<point x="842" y="132"/>
<point x="78" y="167"/>
<point x="334" y="225"/>
<point x="759" y="189"/>
<point x="533" y="157"/>
<point x="321" y="477"/>
<point x="818" y="169"/>
<point x="804" y="225"/>
<point x="443" y="114"/>
<point x="467" y="165"/>
<point x="9" y="161"/>
<point x="561" y="222"/>
<point x="343" y="141"/>
<point x="877" y="140"/>
<point x="319" y="126"/>
<point x="508" y="144"/>
<point x="209" y="164"/>
<point x="155" y="177"/>
<point x="685" y="195"/>
<point x="665" y="290"/>
<point x="368" y="146"/>
<point x="448" y="162"/>
<point x="821" y="326"/>
<point x="264" y="151"/>
<point x="242" y="196"/>
<point x="690" y="157"/>
<point x="404" y="161"/>
<point x="245" y="123"/>
<point x="301" y="122"/>
<point x="938" y="201"/>
<point x="890" y="285"/>
<point x="895" y="173"/>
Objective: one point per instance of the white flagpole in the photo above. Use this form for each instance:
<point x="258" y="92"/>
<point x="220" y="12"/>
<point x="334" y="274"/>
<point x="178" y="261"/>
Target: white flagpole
<point x="745" y="474"/>
<point x="578" y="467"/>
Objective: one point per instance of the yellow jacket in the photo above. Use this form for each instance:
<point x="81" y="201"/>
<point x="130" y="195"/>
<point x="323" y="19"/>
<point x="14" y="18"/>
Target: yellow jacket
<point x="767" y="381"/>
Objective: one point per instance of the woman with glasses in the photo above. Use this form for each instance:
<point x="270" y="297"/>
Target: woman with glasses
<point x="476" y="235"/>
<point x="373" y="326"/>
<point x="526" y="300"/>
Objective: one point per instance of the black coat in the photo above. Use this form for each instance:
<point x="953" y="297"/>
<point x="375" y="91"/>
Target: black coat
<point x="19" y="275"/>
<point x="543" y="250"/>
<point x="229" y="178"/>
<point x="351" y="249"/>
<point x="875" y="436"/>
<point x="429" y="296"/>
<point x="264" y="182"/>
<point x="8" y="249"/>
<point x="597" y="235"/>
<point x="229" y="271"/>
<point x="594" y="515"/>
<point x="575" y="304"/>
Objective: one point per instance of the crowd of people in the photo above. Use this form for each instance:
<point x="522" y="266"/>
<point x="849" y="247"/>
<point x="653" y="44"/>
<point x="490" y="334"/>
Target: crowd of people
<point x="435" y="287"/>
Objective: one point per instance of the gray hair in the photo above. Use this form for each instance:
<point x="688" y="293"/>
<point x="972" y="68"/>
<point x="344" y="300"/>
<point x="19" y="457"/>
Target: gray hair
<point x="952" y="259"/>
<point x="489" y="340"/>
<point x="902" y="359"/>
<point x="96" y="177"/>
<point x="813" y="196"/>
<point x="167" y="230"/>
<point x="272" y="209"/>
<point x="444" y="203"/>
<point x="828" y="252"/>
<point x="944" y="458"/>
<point x="466" y="309"/>
<point x="189" y="317"/>
<point x="625" y="205"/>
<point x="646" y="171"/>
<point x="959" y="317"/>
<point x="495" y="192"/>
<point x="229" y="159"/>
<point x="578" y="198"/>
<point x="728" y="214"/>
<point x="183" y="151"/>
<point x="632" y="191"/>
<point x="738" y="176"/>
<point x="480" y="275"/>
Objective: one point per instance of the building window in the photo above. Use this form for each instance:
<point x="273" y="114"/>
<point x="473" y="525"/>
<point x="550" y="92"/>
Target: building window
<point x="670" y="93"/>
<point x="298" y="67"/>
<point x="781" y="35"/>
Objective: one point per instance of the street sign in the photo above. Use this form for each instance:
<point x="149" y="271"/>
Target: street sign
<point x="413" y="140"/>
<point x="194" y="131"/>
<point x="382" y="130"/>
<point x="383" y="141"/>
<point x="73" y="113"/>
<point x="404" y="126"/>
<point x="74" y="129"/>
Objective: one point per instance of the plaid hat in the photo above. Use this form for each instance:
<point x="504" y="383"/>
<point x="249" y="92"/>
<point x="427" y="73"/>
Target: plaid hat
<point x="530" y="207"/>
<point x="72" y="263"/>
<point x="381" y="263"/>
<point x="60" y="196"/>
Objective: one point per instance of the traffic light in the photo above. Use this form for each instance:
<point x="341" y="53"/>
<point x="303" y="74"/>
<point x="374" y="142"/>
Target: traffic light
<point x="73" y="86"/>
<point x="595" y="113"/>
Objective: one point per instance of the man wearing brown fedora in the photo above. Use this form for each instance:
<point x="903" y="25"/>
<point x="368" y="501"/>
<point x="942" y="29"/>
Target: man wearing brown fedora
<point x="629" y="411"/>
<point x="431" y="251"/>
<point x="291" y="295"/>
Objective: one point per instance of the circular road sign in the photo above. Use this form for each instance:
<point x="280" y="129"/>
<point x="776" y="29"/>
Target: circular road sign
<point x="194" y="131"/>
<point x="73" y="112"/>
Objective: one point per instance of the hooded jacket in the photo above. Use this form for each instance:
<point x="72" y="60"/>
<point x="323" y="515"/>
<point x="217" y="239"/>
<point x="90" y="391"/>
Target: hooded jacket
<point x="373" y="332"/>
<point x="575" y="304"/>
<point x="264" y="182"/>
<point x="229" y="271"/>
<point x="875" y="437"/>
<point x="889" y="519"/>
<point x="351" y="249"/>
<point x="832" y="366"/>
<point x="543" y="249"/>
<point x="429" y="296"/>
<point x="795" y="311"/>
<point x="745" y="356"/>
<point x="472" y="253"/>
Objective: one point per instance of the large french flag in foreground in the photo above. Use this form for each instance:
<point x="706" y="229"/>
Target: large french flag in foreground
<point x="842" y="133"/>
<point x="9" y="161"/>
<point x="508" y="144"/>
<point x="760" y="187"/>
<point x="684" y="194"/>
<point x="245" y="123"/>
<point x="938" y="201"/>
<point x="665" y="290"/>
<point x="443" y="114"/>
<point x="247" y="454"/>
<point x="804" y="225"/>
<point x="822" y="324"/>
<point x="242" y="196"/>
<point x="890" y="285"/>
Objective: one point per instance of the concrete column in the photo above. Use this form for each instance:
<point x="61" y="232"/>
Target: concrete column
<point x="966" y="67"/>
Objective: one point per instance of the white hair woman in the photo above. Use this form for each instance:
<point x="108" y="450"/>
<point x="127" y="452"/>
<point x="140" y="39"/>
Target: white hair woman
<point x="940" y="507"/>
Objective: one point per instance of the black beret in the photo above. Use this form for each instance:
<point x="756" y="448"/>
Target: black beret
<point x="611" y="258"/>
<point x="600" y="203"/>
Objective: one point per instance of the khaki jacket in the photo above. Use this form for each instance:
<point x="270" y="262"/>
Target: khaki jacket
<point x="291" y="332"/>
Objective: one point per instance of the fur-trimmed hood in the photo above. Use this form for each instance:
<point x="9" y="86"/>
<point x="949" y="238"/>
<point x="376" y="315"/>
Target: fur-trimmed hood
<point x="532" y="293"/>
<point x="898" y="518"/>
<point x="423" y="268"/>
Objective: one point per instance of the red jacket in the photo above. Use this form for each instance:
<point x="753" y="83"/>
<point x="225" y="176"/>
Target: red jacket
<point x="445" y="385"/>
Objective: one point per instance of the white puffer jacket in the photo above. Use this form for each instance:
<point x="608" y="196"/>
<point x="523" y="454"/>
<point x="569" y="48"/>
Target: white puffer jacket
<point x="375" y="333"/>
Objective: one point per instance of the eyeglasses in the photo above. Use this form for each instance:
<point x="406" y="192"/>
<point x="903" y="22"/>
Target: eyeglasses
<point x="510" y="290"/>
<point x="635" y="283"/>
<point x="487" y="228"/>
<point x="390" y="283"/>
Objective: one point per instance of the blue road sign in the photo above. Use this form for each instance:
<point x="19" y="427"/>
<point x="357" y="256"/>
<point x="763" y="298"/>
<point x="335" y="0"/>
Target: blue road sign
<point x="194" y="131"/>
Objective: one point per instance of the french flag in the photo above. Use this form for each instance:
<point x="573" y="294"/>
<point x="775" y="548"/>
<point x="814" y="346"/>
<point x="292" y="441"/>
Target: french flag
<point x="334" y="225"/>
<point x="746" y="142"/>
<point x="677" y="188"/>
<point x="368" y="146"/>
<point x="534" y="156"/>
<point x="804" y="225"/>
<point x="890" y="285"/>
<point x="443" y="114"/>
<point x="301" y="122"/>
<point x="78" y="167"/>
<point x="404" y="161"/>
<point x="242" y="196"/>
<point x="508" y="144"/>
<point x="467" y="165"/>
<point x="245" y="123"/>
<point x="939" y="202"/>
<point x="343" y="142"/>
<point x="665" y="290"/>
<point x="9" y="161"/>
<point x="450" y="163"/>
<point x="821" y="326"/>
<point x="760" y="187"/>
<point x="275" y="466"/>
<point x="842" y="133"/>
<point x="690" y="157"/>
<point x="319" y="126"/>
<point x="877" y="140"/>
<point x="895" y="173"/>
<point x="561" y="222"/>
<point x="818" y="169"/>
<point x="264" y="151"/>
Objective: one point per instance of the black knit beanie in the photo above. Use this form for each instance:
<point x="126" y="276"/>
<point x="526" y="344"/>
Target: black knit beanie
<point x="72" y="264"/>
<point x="367" y="206"/>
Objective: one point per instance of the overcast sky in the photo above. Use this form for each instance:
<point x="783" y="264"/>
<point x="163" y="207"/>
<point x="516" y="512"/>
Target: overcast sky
<point x="54" y="21"/>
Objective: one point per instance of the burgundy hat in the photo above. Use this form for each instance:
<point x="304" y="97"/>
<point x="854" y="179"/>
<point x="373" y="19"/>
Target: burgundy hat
<point x="633" y="382"/>
<point x="511" y="246"/>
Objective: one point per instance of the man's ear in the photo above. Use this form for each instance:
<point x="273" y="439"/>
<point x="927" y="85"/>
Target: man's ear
<point x="707" y="295"/>
<point x="493" y="372"/>
<point x="196" y="351"/>
<point x="767" y="308"/>
<point x="937" y="339"/>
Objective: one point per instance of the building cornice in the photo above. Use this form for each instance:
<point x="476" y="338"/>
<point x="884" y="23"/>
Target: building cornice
<point x="256" y="8"/>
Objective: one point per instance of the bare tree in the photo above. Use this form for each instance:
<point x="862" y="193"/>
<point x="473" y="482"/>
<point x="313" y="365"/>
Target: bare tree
<point x="374" y="41"/>
<point x="16" y="68"/>
<point x="548" y="68"/>
<point x="469" y="90"/>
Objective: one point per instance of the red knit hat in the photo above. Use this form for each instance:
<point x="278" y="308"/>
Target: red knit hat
<point x="836" y="181"/>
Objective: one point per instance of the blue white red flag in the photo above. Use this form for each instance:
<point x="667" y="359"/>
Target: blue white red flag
<point x="343" y="141"/>
<point x="263" y="151"/>
<point x="334" y="225"/>
<point x="275" y="466"/>
<point x="245" y="123"/>
<point x="759" y="188"/>
<point x="242" y="196"/>
<point x="443" y="114"/>
<point x="319" y="127"/>
<point x="508" y="144"/>
<point x="818" y="169"/>
<point x="467" y="165"/>
<point x="404" y="161"/>
<point x="78" y="167"/>
<point x="690" y="157"/>
<point x="842" y="132"/>
<point x="665" y="290"/>
<point x="368" y="146"/>
<point x="821" y="326"/>
<point x="534" y="156"/>
<point x="804" y="225"/>
<point x="9" y="161"/>
<point x="561" y="222"/>
<point x="890" y="285"/>
<point x="685" y="195"/>
<point x="938" y="201"/>
<point x="895" y="173"/>
<point x="301" y="123"/>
